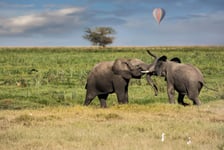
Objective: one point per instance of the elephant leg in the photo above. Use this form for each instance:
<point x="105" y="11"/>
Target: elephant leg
<point x="196" y="100"/>
<point x="121" y="90"/>
<point x="89" y="98"/>
<point x="193" y="95"/>
<point x="103" y="99"/>
<point x="122" y="96"/>
<point x="181" y="100"/>
<point x="171" y="93"/>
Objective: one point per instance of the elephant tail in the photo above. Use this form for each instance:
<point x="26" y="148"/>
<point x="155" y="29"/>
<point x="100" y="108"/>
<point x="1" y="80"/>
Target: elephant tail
<point x="210" y="88"/>
<point x="203" y="84"/>
<point x="86" y="86"/>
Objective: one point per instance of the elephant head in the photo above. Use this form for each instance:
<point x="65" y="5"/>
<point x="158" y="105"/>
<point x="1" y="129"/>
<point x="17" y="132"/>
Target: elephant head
<point x="133" y="68"/>
<point x="128" y="68"/>
<point x="158" y="67"/>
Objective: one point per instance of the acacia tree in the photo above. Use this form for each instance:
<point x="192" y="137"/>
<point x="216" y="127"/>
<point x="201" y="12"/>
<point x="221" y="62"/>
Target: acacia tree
<point x="99" y="35"/>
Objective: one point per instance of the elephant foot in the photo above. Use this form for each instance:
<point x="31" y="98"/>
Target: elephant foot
<point x="172" y="102"/>
<point x="185" y="104"/>
<point x="103" y="104"/>
<point x="123" y="103"/>
<point x="197" y="102"/>
<point x="86" y="103"/>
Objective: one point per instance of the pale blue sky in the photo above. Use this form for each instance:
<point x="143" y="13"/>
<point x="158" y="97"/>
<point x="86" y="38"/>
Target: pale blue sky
<point x="62" y="22"/>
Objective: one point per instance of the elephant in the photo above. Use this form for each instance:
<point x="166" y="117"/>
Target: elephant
<point x="186" y="79"/>
<point x="113" y="77"/>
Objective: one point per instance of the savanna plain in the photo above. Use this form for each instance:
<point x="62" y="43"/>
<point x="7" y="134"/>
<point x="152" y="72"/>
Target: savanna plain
<point x="42" y="91"/>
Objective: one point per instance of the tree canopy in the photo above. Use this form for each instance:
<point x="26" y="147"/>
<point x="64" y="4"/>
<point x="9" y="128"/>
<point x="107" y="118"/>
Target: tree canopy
<point x="100" y="36"/>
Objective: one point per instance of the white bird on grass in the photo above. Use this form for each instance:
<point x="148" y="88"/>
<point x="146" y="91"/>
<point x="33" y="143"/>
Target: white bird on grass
<point x="189" y="141"/>
<point x="163" y="137"/>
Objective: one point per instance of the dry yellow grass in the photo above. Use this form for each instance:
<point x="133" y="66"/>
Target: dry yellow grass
<point x="125" y="127"/>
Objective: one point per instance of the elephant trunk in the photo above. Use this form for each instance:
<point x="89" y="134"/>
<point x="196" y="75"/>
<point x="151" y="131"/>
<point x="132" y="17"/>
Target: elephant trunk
<point x="149" y="80"/>
<point x="151" y="54"/>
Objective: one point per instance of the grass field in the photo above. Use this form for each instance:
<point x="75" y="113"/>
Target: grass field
<point x="62" y="74"/>
<point x="42" y="92"/>
<point x="126" y="127"/>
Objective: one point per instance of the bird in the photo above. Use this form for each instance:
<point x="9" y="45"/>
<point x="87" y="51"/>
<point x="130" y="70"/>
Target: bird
<point x="163" y="137"/>
<point x="189" y="141"/>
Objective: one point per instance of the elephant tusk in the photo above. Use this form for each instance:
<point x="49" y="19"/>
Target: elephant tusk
<point x="145" y="71"/>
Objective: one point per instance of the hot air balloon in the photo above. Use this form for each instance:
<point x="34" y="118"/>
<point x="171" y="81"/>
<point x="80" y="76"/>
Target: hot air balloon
<point x="158" y="14"/>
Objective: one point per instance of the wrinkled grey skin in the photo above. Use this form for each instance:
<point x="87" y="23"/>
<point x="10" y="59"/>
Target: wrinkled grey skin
<point x="184" y="78"/>
<point x="113" y="77"/>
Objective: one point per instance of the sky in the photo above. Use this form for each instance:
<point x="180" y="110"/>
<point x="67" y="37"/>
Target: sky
<point x="63" y="22"/>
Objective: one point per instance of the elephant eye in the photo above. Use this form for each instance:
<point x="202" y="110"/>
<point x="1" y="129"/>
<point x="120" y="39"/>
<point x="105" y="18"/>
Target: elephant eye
<point x="138" y="66"/>
<point x="159" y="64"/>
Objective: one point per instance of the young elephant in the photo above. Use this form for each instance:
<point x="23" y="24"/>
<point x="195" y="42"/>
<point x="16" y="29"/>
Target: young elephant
<point x="113" y="77"/>
<point x="184" y="78"/>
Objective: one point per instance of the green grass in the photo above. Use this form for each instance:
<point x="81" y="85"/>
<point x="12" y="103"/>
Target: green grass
<point x="62" y="74"/>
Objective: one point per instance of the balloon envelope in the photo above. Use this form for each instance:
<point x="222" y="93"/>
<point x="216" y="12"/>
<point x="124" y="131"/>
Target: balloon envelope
<point x="158" y="14"/>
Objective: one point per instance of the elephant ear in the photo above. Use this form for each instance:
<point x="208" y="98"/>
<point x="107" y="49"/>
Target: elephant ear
<point x="120" y="67"/>
<point x="176" y="59"/>
<point x="162" y="58"/>
<point x="159" y="67"/>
